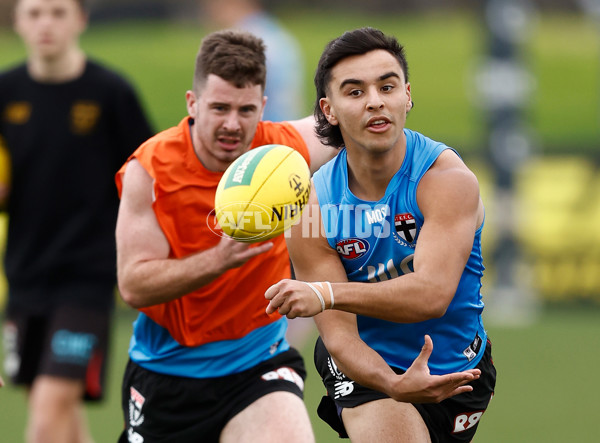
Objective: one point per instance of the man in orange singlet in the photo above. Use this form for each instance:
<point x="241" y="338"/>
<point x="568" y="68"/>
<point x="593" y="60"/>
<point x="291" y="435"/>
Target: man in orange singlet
<point x="206" y="362"/>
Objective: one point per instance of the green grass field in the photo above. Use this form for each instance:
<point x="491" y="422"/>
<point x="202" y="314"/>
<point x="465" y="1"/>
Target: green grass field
<point x="546" y="391"/>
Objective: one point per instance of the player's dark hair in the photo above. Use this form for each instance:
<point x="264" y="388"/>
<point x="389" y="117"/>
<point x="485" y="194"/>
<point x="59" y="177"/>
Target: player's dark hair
<point x="356" y="42"/>
<point x="236" y="56"/>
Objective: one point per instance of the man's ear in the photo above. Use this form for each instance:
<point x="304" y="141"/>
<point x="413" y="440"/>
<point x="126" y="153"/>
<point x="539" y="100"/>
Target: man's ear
<point x="84" y="21"/>
<point x="191" y="103"/>
<point x="328" y="111"/>
<point x="264" y="105"/>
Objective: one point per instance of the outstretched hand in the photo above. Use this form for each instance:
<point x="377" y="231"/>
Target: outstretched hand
<point x="234" y="254"/>
<point x="417" y="385"/>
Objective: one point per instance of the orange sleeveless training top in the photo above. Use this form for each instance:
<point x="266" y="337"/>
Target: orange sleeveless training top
<point x="232" y="305"/>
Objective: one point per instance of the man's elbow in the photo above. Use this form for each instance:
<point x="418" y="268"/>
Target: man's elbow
<point x="130" y="296"/>
<point x="433" y="312"/>
<point x="335" y="343"/>
<point x="438" y="302"/>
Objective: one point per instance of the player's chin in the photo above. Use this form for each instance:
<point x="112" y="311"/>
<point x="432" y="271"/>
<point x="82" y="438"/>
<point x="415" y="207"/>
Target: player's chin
<point x="230" y="153"/>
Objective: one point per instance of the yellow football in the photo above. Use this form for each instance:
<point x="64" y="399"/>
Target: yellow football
<point x="262" y="193"/>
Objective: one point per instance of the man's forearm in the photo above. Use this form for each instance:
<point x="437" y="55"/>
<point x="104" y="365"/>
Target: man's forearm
<point x="153" y="282"/>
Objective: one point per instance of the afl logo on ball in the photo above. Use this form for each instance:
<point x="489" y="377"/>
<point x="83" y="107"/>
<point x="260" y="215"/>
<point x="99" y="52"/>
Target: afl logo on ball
<point x="352" y="248"/>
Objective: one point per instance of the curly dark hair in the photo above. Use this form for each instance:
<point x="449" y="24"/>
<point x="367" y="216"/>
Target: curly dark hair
<point x="235" y="56"/>
<point x="356" y="42"/>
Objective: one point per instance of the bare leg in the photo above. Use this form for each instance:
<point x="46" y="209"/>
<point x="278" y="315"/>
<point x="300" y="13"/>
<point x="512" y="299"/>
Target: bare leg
<point x="56" y="412"/>
<point x="276" y="417"/>
<point x="384" y="421"/>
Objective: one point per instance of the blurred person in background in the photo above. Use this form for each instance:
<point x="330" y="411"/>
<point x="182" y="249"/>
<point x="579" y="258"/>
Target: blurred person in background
<point x="67" y="124"/>
<point x="285" y="62"/>
<point x="285" y="81"/>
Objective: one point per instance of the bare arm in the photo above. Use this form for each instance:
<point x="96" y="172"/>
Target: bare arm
<point x="319" y="153"/>
<point x="314" y="260"/>
<point x="146" y="274"/>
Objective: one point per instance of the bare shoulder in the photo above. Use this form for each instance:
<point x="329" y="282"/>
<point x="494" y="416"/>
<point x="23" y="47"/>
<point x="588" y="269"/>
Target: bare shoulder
<point x="135" y="177"/>
<point x="449" y="183"/>
<point x="450" y="170"/>
<point x="136" y="195"/>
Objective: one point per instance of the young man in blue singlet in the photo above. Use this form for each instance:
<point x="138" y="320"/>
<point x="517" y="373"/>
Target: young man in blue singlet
<point x="395" y="260"/>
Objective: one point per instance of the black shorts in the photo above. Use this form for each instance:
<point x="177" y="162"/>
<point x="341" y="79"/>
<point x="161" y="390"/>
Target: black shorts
<point x="67" y="342"/>
<point x="163" y="408"/>
<point x="452" y="420"/>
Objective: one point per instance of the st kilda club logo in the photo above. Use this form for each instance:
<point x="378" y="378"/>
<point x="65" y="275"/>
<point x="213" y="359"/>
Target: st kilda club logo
<point x="406" y="227"/>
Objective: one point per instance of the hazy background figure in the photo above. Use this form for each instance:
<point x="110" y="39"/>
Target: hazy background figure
<point x="285" y="63"/>
<point x="66" y="124"/>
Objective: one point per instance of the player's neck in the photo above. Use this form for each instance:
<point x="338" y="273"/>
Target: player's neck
<point x="59" y="69"/>
<point x="369" y="174"/>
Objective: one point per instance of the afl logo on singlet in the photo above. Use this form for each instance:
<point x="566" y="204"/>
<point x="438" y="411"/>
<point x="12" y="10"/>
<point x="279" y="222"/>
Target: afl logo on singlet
<point x="352" y="248"/>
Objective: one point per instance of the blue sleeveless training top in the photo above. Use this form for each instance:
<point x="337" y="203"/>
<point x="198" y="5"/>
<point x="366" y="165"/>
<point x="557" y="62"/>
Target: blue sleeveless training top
<point x="375" y="241"/>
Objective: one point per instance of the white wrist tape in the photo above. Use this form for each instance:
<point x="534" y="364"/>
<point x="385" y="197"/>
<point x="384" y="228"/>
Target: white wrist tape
<point x="318" y="293"/>
<point x="320" y="285"/>
<point x="330" y="294"/>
